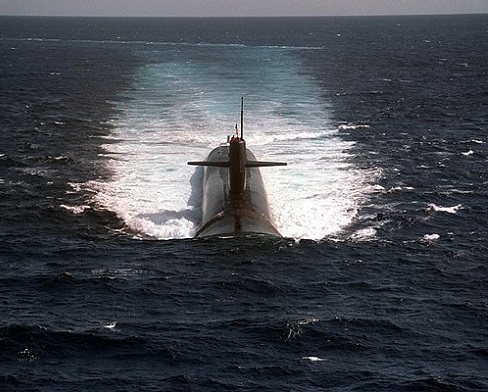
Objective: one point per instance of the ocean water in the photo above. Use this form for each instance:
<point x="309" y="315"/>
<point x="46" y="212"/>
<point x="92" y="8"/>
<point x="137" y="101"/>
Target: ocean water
<point x="379" y="282"/>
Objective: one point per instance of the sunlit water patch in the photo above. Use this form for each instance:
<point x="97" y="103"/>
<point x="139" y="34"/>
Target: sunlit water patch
<point x="185" y="102"/>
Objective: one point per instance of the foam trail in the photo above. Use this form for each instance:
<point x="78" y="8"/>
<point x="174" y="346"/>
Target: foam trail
<point x="185" y="101"/>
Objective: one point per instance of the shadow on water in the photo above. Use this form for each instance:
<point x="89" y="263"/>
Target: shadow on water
<point x="163" y="217"/>
<point x="191" y="215"/>
<point x="195" y="199"/>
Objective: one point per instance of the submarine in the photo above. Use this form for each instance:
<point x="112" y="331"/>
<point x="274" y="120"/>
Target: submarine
<point x="234" y="200"/>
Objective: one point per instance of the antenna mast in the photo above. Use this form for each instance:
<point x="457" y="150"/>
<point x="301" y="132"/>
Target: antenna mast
<point x="242" y="118"/>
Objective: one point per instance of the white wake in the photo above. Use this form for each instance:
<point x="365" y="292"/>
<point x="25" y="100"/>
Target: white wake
<point x="183" y="105"/>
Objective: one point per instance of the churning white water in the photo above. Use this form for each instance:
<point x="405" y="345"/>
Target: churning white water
<point x="186" y="100"/>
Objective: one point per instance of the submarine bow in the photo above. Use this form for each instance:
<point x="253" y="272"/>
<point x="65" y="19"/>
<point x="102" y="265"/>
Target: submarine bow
<point x="234" y="198"/>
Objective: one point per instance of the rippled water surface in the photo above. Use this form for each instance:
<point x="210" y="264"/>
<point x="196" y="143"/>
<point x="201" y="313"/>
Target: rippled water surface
<point x="380" y="280"/>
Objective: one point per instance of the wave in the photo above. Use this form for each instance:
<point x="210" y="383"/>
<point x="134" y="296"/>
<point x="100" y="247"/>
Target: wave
<point x="450" y="210"/>
<point x="141" y="44"/>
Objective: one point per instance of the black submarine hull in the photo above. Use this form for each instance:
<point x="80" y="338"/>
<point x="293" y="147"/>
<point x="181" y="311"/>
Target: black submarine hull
<point x="225" y="212"/>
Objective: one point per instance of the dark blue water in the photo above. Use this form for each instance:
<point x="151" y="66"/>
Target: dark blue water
<point x="394" y="299"/>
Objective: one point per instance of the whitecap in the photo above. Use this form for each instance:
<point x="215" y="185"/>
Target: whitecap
<point x="111" y="325"/>
<point x="313" y="359"/>
<point x="75" y="209"/>
<point x="449" y="210"/>
<point x="400" y="188"/>
<point x="352" y="126"/>
<point x="363" y="235"/>
<point x="430" y="237"/>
